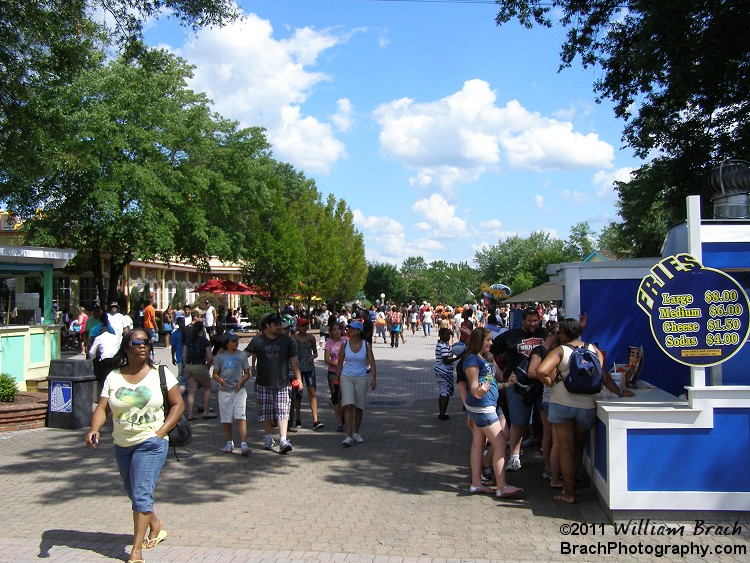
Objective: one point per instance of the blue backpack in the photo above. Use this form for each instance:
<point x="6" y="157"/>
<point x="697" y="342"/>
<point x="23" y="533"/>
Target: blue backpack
<point x="585" y="371"/>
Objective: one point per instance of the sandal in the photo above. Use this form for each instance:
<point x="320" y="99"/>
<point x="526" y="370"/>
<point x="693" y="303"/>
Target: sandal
<point x="151" y="543"/>
<point x="565" y="497"/>
<point x="508" y="491"/>
<point x="480" y="490"/>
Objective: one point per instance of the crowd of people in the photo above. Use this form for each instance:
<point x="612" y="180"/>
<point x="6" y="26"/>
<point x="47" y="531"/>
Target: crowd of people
<point x="507" y="364"/>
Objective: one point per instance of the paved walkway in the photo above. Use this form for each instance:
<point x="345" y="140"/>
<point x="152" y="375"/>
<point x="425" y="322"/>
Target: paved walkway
<point x="400" y="496"/>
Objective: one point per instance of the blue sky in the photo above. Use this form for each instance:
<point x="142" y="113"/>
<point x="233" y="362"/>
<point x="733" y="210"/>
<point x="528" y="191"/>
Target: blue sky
<point x="443" y="132"/>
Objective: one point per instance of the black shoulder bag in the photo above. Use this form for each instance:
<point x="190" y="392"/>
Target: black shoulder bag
<point x="182" y="434"/>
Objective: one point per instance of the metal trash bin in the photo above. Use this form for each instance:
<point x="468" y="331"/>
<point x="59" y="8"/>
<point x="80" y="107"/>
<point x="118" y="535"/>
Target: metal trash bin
<point x="72" y="384"/>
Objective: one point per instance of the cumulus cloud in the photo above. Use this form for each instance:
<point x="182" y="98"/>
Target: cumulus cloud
<point x="604" y="181"/>
<point x="387" y="239"/>
<point x="454" y="140"/>
<point x="539" y="201"/>
<point x="259" y="80"/>
<point x="442" y="222"/>
<point x="342" y="119"/>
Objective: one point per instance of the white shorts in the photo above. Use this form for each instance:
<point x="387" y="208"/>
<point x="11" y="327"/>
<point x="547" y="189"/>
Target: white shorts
<point x="232" y="405"/>
<point x="353" y="390"/>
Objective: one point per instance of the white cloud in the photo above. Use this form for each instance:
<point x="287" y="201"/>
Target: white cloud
<point x="386" y="239"/>
<point x="441" y="217"/>
<point x="259" y="80"/>
<point x="454" y="140"/>
<point x="577" y="197"/>
<point x="342" y="119"/>
<point x="604" y="181"/>
<point x="539" y="201"/>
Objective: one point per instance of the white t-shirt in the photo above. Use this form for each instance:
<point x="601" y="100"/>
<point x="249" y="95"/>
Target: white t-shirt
<point x="117" y="322"/>
<point x="210" y="316"/>
<point x="137" y="409"/>
<point x="105" y="345"/>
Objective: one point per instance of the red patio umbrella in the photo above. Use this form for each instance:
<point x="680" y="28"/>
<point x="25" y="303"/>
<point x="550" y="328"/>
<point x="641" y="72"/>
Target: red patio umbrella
<point x="225" y="286"/>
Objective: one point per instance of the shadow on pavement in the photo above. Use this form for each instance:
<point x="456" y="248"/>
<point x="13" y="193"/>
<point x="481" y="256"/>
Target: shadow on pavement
<point x="108" y="545"/>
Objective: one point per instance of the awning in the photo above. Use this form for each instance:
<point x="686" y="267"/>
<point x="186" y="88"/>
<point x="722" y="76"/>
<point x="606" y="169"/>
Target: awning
<point x="546" y="292"/>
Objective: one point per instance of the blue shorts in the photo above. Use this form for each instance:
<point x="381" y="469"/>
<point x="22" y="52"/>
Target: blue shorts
<point x="483" y="419"/>
<point x="520" y="414"/>
<point x="309" y="379"/>
<point x="583" y="418"/>
<point x="140" y="466"/>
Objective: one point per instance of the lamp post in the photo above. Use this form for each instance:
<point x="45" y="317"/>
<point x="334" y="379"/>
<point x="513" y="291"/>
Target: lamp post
<point x="382" y="300"/>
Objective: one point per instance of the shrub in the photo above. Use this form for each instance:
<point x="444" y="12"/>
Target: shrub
<point x="255" y="313"/>
<point x="8" y="388"/>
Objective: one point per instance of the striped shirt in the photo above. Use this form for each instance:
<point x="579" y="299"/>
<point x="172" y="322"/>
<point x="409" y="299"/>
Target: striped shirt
<point x="443" y="351"/>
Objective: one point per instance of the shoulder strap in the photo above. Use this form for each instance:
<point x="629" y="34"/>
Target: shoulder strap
<point x="164" y="391"/>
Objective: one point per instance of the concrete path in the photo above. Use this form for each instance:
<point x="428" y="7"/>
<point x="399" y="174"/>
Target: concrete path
<point x="400" y="496"/>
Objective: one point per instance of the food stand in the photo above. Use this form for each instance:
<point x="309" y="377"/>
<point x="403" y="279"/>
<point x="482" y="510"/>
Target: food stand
<point x="673" y="446"/>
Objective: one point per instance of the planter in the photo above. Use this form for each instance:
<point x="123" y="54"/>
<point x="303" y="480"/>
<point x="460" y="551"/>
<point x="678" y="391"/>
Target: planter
<point x="28" y="411"/>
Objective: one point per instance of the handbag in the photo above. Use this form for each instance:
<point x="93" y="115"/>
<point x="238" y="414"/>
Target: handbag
<point x="182" y="433"/>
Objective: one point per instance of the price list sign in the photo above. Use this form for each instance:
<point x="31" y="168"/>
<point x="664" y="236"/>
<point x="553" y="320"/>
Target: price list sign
<point x="699" y="316"/>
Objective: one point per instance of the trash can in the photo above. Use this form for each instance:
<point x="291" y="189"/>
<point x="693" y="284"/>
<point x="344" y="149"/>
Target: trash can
<point x="71" y="393"/>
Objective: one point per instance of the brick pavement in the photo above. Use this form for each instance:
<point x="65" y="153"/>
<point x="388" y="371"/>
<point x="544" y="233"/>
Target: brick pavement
<point x="401" y="496"/>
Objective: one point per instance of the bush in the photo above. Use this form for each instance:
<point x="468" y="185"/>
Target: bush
<point x="8" y="388"/>
<point x="255" y="313"/>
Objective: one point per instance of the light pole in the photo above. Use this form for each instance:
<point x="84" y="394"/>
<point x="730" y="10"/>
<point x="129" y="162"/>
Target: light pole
<point x="382" y="300"/>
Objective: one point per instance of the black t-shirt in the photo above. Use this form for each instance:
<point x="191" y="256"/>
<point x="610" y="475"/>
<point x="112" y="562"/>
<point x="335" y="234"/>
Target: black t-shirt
<point x="196" y="350"/>
<point x="272" y="355"/>
<point x="518" y="345"/>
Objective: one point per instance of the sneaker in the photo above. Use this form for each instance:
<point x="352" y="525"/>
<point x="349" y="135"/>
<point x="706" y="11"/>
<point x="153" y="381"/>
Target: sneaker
<point x="340" y="428"/>
<point x="514" y="464"/>
<point x="348" y="442"/>
<point x="270" y="443"/>
<point x="444" y="417"/>
<point x="357" y="438"/>
<point x="286" y="447"/>
<point x="245" y="449"/>
<point x="298" y="424"/>
<point x="317" y="425"/>
<point x="229" y="448"/>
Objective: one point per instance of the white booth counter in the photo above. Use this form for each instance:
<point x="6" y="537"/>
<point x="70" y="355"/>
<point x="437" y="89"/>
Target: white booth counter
<point x="657" y="452"/>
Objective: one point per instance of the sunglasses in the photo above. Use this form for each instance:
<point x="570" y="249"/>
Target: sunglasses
<point x="136" y="343"/>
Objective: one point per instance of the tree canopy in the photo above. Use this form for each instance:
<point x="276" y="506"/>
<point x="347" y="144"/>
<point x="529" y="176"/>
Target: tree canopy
<point x="678" y="73"/>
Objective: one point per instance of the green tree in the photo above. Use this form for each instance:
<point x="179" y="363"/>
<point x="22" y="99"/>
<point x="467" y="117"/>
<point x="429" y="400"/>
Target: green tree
<point x="384" y="278"/>
<point x="678" y="72"/>
<point x="580" y="242"/>
<point x="44" y="44"/>
<point x="453" y="284"/>
<point x="123" y="178"/>
<point x="351" y="246"/>
<point x="520" y="263"/>
<point x="418" y="287"/>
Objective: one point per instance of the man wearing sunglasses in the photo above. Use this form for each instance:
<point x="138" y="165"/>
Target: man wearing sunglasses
<point x="272" y="352"/>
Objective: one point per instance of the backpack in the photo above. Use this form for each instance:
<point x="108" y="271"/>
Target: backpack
<point x="528" y="390"/>
<point x="585" y="371"/>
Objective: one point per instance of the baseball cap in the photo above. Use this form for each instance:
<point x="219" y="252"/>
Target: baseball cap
<point x="303" y="322"/>
<point x="114" y="304"/>
<point x="230" y="335"/>
<point x="356" y="324"/>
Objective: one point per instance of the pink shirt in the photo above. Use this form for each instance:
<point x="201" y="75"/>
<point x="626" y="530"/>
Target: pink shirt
<point x="333" y="350"/>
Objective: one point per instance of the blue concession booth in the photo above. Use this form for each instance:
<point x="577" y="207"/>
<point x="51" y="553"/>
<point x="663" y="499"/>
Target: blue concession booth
<point x="682" y="443"/>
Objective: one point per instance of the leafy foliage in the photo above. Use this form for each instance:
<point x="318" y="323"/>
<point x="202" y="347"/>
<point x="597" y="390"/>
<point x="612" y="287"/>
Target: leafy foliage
<point x="8" y="388"/>
<point x="678" y="73"/>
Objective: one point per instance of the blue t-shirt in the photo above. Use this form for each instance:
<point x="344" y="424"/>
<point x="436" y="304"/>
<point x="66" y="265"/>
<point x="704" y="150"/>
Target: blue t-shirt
<point x="176" y="343"/>
<point x="486" y="373"/>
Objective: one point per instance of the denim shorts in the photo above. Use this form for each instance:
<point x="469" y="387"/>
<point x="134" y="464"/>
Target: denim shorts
<point x="483" y="419"/>
<point x="520" y="413"/>
<point x="310" y="380"/>
<point x="583" y="418"/>
<point x="140" y="466"/>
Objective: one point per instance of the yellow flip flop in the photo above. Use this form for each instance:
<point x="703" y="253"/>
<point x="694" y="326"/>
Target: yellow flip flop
<point x="151" y="543"/>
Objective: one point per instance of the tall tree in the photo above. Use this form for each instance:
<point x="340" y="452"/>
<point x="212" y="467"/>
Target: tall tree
<point x="123" y="180"/>
<point x="678" y="72"/>
<point x="384" y="278"/>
